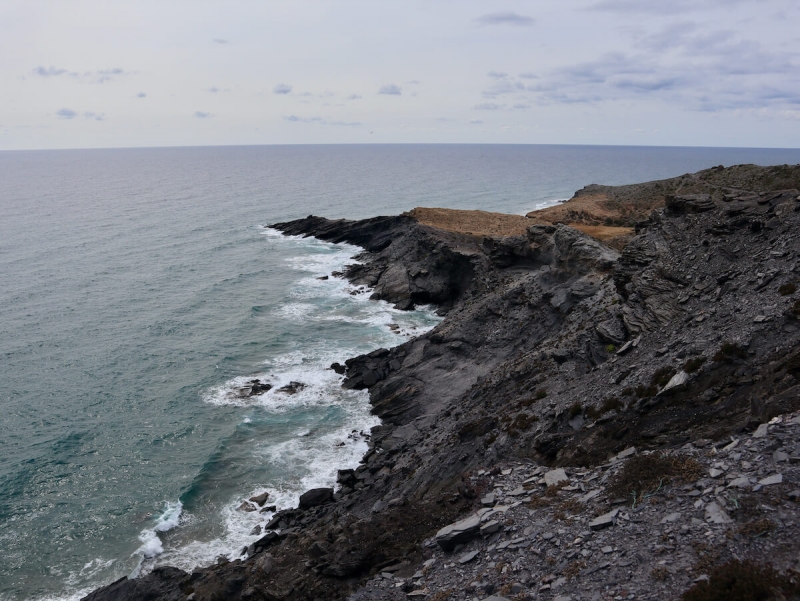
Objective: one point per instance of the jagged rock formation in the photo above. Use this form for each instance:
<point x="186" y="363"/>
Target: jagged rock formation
<point x="555" y="349"/>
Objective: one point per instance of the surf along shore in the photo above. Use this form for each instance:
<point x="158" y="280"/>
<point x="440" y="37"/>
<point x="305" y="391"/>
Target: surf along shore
<point x="621" y="359"/>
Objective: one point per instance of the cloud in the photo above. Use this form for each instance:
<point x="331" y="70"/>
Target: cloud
<point x="202" y="115"/>
<point x="102" y="75"/>
<point x="488" y="106"/>
<point x="220" y="41"/>
<point x="505" y="18"/>
<point x="391" y="90"/>
<point x="662" y="8"/>
<point x="94" y="116"/>
<point x="66" y="113"/>
<point x="497" y="74"/>
<point x="282" y="88"/>
<point x="353" y="97"/>
<point x="321" y="121"/>
<point x="50" y="71"/>
<point x="475" y="121"/>
<point x="503" y="87"/>
<point x="141" y="95"/>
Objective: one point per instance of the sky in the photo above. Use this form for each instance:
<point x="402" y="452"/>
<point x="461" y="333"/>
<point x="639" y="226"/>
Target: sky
<point x="113" y="73"/>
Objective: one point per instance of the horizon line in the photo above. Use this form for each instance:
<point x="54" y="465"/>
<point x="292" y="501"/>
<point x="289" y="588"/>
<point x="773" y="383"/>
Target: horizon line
<point x="394" y="144"/>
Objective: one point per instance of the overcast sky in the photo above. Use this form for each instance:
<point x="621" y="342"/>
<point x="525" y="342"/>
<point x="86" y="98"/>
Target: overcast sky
<point x="108" y="73"/>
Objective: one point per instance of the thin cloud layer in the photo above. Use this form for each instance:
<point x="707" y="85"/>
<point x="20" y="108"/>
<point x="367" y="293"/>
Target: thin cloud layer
<point x="99" y="75"/>
<point x="391" y="90"/>
<point x="321" y="121"/>
<point x="506" y="18"/>
<point x="720" y="72"/>
<point x="700" y="69"/>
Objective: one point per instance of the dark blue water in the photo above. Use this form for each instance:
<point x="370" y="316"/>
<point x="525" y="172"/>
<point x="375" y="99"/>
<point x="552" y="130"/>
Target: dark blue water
<point x="139" y="290"/>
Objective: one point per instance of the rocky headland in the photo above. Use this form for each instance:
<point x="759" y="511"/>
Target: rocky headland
<point x="601" y="414"/>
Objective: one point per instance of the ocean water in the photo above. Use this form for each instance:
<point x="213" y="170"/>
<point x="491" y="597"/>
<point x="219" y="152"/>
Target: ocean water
<point x="140" y="288"/>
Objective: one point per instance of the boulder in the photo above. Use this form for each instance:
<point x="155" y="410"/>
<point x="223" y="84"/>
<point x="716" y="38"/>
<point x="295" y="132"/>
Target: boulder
<point x="346" y="478"/>
<point x="292" y="388"/>
<point x="260" y="499"/>
<point x="316" y="497"/>
<point x="556" y="476"/>
<point x="459" y="532"/>
<point x="611" y="331"/>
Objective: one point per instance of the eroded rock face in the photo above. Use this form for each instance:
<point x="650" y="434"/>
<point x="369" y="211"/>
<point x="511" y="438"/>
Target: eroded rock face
<point x="553" y="349"/>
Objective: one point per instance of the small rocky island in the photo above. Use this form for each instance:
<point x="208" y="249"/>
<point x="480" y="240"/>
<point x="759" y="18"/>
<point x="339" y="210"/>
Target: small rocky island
<point x="608" y="410"/>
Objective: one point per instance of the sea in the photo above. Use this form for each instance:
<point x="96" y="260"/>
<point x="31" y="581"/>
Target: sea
<point x="141" y="289"/>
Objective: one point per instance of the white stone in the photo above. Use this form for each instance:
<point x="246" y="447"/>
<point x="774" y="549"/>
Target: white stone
<point x="672" y="517"/>
<point x="553" y="477"/>
<point x="716" y="515"/>
<point x="679" y="379"/>
<point x="626" y="453"/>
<point x="761" y="431"/>
<point x="589" y="495"/>
<point x="741" y="482"/>
<point x="715" y="473"/>
<point x="730" y="446"/>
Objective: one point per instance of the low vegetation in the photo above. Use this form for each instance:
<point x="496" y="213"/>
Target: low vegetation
<point x="644" y="475"/>
<point x="745" y="581"/>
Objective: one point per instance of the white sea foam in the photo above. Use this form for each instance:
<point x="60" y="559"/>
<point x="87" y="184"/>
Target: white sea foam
<point x="151" y="546"/>
<point x="306" y="462"/>
<point x="310" y="457"/>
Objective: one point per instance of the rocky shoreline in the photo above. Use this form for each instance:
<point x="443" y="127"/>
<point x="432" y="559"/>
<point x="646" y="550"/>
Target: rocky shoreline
<point x="558" y="351"/>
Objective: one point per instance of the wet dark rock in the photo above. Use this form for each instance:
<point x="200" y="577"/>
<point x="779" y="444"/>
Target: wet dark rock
<point x="338" y="368"/>
<point x="260" y="499"/>
<point x="292" y="388"/>
<point x="316" y="497"/>
<point x="164" y="584"/>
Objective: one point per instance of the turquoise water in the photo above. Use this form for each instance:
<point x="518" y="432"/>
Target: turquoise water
<point x="139" y="289"/>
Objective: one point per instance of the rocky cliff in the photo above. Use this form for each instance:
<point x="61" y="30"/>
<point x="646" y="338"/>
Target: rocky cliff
<point x="555" y="351"/>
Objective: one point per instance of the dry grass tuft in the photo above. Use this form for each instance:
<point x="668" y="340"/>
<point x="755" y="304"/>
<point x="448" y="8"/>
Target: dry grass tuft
<point x="643" y="475"/>
<point x="745" y="581"/>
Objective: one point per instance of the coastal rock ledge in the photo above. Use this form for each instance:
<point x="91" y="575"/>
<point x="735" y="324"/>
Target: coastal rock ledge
<point x="600" y="414"/>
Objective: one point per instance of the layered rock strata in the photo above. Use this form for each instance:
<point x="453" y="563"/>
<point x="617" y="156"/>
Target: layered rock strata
<point x="555" y="350"/>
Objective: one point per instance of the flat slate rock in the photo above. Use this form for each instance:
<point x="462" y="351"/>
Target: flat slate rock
<point x="459" y="532"/>
<point x="604" y="521"/>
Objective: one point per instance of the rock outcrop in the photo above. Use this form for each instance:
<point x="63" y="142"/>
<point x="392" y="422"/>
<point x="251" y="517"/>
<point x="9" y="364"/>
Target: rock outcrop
<point x="556" y="351"/>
